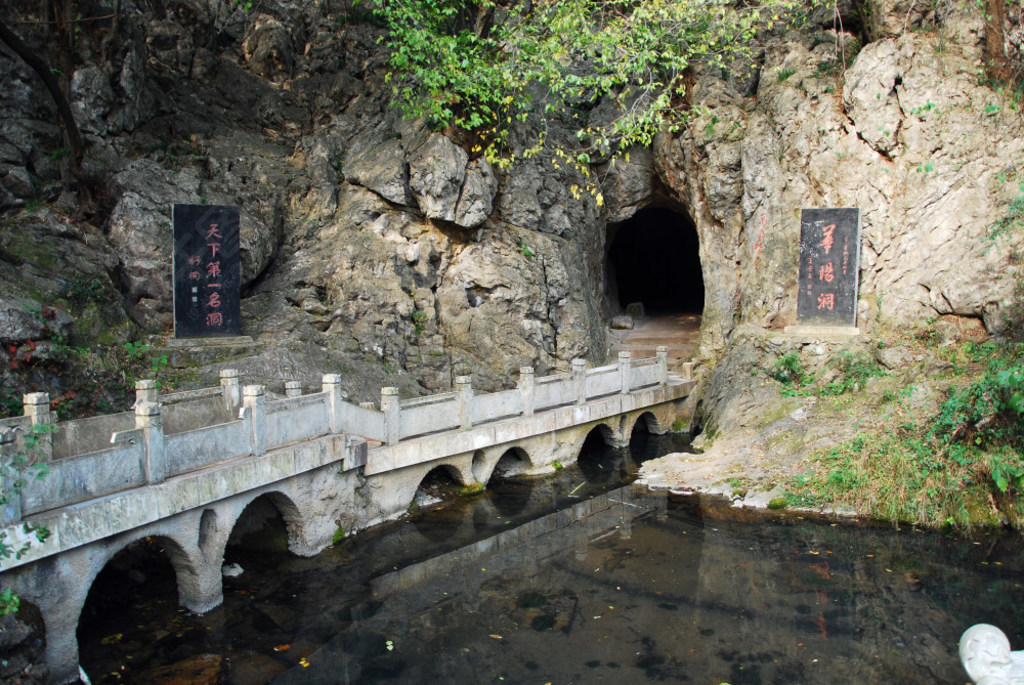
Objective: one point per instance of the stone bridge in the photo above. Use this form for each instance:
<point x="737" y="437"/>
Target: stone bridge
<point x="184" y="466"/>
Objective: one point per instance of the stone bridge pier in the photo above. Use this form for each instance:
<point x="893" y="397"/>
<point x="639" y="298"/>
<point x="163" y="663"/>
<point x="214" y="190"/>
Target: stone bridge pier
<point x="194" y="542"/>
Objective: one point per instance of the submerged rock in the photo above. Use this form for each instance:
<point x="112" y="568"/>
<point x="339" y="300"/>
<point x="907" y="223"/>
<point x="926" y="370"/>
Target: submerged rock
<point x="204" y="669"/>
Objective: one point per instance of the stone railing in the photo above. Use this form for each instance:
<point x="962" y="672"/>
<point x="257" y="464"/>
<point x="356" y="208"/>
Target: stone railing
<point x="177" y="433"/>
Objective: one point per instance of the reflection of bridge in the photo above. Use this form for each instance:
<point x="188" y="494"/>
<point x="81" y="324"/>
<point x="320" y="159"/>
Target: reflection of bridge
<point x="182" y="468"/>
<point x="462" y="576"/>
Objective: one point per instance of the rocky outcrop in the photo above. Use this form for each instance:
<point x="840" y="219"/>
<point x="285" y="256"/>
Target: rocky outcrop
<point x="906" y="133"/>
<point x="381" y="241"/>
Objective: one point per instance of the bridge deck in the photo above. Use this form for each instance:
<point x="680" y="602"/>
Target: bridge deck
<point x="147" y="475"/>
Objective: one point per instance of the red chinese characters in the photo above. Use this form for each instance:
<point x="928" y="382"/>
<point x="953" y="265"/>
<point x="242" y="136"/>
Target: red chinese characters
<point x="759" y="243"/>
<point x="208" y="270"/>
<point x="827" y="240"/>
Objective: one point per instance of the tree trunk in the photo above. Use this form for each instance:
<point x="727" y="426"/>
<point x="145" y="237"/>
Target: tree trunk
<point x="995" y="52"/>
<point x="74" y="137"/>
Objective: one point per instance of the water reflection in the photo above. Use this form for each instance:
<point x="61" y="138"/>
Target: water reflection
<point x="630" y="588"/>
<point x="557" y="580"/>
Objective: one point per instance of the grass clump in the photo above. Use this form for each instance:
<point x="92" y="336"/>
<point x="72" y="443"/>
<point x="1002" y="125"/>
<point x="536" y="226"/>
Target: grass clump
<point x="848" y="373"/>
<point x="962" y="466"/>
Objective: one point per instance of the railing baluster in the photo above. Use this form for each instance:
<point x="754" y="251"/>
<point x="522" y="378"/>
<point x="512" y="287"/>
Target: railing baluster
<point x="392" y="414"/>
<point x="662" y="351"/>
<point x="464" y="386"/>
<point x="527" y="386"/>
<point x="624" y="370"/>
<point x="254" y="398"/>
<point x="335" y="401"/>
<point x="147" y="417"/>
<point x="579" y="372"/>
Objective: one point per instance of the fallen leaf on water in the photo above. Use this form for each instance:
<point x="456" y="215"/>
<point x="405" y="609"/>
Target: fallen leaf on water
<point x="303" y="662"/>
<point x="282" y="648"/>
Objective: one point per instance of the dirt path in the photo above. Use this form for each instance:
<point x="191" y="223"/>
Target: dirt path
<point x="676" y="331"/>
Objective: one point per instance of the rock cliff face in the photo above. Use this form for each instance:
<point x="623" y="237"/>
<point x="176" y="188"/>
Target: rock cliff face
<point x="378" y="242"/>
<point x="906" y="133"/>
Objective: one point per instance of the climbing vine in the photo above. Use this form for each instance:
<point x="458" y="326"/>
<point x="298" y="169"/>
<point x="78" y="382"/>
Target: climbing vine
<point x="15" y="471"/>
<point x="489" y="67"/>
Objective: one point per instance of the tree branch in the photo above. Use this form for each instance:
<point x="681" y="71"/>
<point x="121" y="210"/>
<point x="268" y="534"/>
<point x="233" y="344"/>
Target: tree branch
<point x="60" y="100"/>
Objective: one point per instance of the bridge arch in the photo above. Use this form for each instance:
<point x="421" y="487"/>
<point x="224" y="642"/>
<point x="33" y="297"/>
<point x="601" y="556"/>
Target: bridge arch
<point x="295" y="522"/>
<point x="513" y="462"/>
<point x="438" y="483"/>
<point x="601" y="457"/>
<point x="648" y="422"/>
<point x="183" y="557"/>
<point x="159" y="552"/>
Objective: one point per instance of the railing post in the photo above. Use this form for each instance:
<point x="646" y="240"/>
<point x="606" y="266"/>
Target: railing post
<point x="146" y="391"/>
<point x="147" y="417"/>
<point x="293" y="389"/>
<point x="392" y="414"/>
<point x="579" y="372"/>
<point x="10" y="510"/>
<point x="254" y="399"/>
<point x="37" y="408"/>
<point x="624" y="371"/>
<point x="526" y="389"/>
<point x="335" y="401"/>
<point x="662" y="351"/>
<point x="688" y="371"/>
<point x="231" y="390"/>
<point x="464" y="386"/>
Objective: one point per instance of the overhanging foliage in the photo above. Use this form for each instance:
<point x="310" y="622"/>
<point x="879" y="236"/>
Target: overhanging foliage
<point x="486" y="67"/>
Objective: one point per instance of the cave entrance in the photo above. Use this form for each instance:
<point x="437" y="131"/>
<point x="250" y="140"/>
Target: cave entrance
<point x="653" y="258"/>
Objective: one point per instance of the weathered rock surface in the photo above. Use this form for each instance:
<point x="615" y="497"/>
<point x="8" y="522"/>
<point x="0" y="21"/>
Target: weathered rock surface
<point x="389" y="245"/>
<point x="436" y="171"/>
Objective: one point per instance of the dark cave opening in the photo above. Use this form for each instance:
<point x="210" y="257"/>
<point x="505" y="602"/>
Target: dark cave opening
<point x="653" y="258"/>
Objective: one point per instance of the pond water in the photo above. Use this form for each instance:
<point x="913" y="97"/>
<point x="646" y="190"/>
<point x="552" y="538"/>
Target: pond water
<point x="576" y="578"/>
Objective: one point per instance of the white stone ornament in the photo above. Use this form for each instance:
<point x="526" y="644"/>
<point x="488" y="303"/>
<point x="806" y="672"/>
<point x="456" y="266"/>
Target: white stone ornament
<point x="986" y="656"/>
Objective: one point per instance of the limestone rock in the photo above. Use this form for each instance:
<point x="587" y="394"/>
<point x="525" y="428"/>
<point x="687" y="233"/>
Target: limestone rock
<point x="141" y="230"/>
<point x="379" y="165"/>
<point x="170" y="46"/>
<point x="268" y="49"/>
<point x="204" y="669"/>
<point x="436" y="173"/>
<point x="621" y="322"/>
<point x="870" y="95"/>
<point x="27" y="319"/>
<point x="92" y="98"/>
<point x="476" y="201"/>
<point x="19" y="182"/>
<point x="629" y="184"/>
<point x="519" y="202"/>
